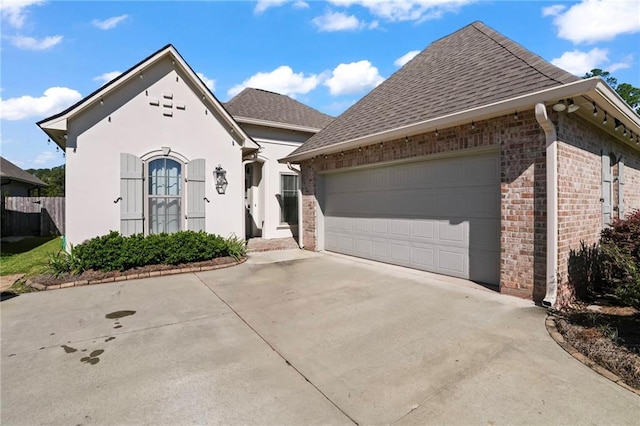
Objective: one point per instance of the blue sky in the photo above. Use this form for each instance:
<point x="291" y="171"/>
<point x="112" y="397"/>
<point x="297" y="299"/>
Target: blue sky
<point x="325" y="54"/>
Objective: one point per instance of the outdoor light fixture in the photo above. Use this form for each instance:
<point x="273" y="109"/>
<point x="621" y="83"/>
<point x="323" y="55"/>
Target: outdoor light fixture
<point x="515" y="116"/>
<point x="220" y="175"/>
<point x="572" y="107"/>
<point x="595" y="109"/>
<point x="473" y="125"/>
<point x="616" y="124"/>
<point x="436" y="133"/>
<point x="624" y="132"/>
<point x="560" y="106"/>
<point x="604" y="120"/>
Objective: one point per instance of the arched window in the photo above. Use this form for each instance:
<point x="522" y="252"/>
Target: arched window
<point x="164" y="194"/>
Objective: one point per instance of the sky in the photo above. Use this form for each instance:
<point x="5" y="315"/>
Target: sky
<point x="326" y="54"/>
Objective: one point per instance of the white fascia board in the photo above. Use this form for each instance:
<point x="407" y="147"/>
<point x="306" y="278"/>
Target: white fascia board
<point x="496" y="109"/>
<point x="610" y="98"/>
<point x="276" y="124"/>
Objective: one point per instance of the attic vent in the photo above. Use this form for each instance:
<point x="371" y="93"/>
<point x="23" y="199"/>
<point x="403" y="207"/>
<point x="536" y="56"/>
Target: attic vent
<point x="167" y="95"/>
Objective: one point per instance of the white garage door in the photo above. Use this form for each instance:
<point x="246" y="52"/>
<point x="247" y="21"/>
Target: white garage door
<point x="440" y="216"/>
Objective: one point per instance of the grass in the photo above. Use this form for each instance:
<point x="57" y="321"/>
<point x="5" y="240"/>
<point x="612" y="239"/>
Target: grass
<point x="29" y="256"/>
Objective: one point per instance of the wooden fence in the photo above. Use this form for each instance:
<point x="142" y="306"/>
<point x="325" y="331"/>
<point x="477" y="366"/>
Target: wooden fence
<point x="33" y="216"/>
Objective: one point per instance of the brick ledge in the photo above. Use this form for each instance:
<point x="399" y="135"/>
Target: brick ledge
<point x="142" y="275"/>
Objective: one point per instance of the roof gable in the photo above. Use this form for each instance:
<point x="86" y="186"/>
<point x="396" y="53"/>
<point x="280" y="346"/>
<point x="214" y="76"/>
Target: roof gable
<point x="8" y="170"/>
<point x="258" y="104"/>
<point x="56" y="125"/>
<point x="472" y="67"/>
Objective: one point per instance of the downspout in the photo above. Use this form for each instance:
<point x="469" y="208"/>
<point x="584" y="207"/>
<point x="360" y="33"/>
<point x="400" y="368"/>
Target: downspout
<point x="300" y="229"/>
<point x="552" y="205"/>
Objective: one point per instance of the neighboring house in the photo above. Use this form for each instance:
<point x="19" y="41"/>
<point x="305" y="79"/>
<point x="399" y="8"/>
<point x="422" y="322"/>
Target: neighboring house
<point x="154" y="151"/>
<point x="16" y="182"/>
<point x="279" y="125"/>
<point x="477" y="159"/>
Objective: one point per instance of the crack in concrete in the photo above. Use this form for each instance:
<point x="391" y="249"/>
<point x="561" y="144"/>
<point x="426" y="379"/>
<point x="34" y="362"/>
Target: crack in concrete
<point x="280" y="354"/>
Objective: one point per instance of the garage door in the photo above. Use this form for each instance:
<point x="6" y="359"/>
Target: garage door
<point x="440" y="216"/>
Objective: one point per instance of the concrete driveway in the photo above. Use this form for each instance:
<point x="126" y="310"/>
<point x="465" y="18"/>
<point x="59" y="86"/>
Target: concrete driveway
<point x="293" y="338"/>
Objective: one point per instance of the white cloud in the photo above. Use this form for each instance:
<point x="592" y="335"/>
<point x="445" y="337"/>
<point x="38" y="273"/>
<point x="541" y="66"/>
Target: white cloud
<point x="263" y="5"/>
<point x="355" y="77"/>
<point x="406" y="10"/>
<point x="624" y="63"/>
<point x="109" y="23"/>
<point x="579" y="63"/>
<point x="54" y="100"/>
<point x="299" y="4"/>
<point x="44" y="157"/>
<point x="31" y="43"/>
<point x="15" y="11"/>
<point x="210" y="83"/>
<point x="281" y="80"/>
<point x="406" y="58"/>
<point x="107" y="76"/>
<point x="592" y="21"/>
<point x="337" y="21"/>
<point x="553" y="10"/>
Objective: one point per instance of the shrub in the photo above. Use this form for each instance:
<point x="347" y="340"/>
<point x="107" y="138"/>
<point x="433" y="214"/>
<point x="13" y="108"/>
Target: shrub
<point x="114" y="252"/>
<point x="620" y="250"/>
<point x="62" y="263"/>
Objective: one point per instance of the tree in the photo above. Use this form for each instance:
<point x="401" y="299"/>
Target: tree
<point x="53" y="177"/>
<point x="629" y="93"/>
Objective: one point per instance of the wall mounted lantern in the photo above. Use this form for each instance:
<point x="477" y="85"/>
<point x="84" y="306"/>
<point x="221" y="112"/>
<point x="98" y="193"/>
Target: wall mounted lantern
<point x="220" y="175"/>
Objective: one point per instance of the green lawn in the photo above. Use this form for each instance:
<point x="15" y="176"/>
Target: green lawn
<point x="29" y="256"/>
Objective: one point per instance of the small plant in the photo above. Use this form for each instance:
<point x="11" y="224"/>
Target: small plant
<point x="236" y="247"/>
<point x="61" y="263"/>
<point x="609" y="332"/>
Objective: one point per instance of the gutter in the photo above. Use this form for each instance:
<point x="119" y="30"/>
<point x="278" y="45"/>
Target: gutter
<point x="300" y="229"/>
<point x="549" y="128"/>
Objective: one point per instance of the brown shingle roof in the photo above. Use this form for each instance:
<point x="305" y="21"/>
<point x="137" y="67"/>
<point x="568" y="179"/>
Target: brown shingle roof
<point x="8" y="170"/>
<point x="264" y="105"/>
<point x="473" y="67"/>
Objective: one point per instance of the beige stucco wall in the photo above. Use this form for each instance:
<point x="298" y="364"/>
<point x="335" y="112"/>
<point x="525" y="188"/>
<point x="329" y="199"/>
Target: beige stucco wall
<point x="275" y="144"/>
<point x="127" y="122"/>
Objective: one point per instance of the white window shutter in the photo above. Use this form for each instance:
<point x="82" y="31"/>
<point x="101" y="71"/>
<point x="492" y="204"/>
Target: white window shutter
<point x="196" y="173"/>
<point x="132" y="193"/>
<point x="606" y="189"/>
<point x="621" y="189"/>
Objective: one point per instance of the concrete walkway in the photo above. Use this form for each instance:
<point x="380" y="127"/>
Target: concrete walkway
<point x="292" y="337"/>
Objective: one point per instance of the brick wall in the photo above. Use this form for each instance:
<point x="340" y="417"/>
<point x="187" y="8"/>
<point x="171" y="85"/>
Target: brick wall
<point x="580" y="189"/>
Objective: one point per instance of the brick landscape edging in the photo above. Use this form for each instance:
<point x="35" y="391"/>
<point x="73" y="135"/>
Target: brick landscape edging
<point x="141" y="275"/>
<point x="550" y="323"/>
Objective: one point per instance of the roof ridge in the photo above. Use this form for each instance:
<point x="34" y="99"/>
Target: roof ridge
<point x="502" y="45"/>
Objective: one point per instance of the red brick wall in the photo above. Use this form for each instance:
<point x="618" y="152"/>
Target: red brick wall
<point x="580" y="189"/>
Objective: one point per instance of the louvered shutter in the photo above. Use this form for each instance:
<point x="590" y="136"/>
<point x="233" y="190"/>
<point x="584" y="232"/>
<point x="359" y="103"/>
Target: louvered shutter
<point x="606" y="189"/>
<point x="196" y="173"/>
<point x="621" y="189"/>
<point x="132" y="193"/>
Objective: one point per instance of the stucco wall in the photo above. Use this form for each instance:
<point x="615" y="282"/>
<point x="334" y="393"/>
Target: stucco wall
<point x="127" y="122"/>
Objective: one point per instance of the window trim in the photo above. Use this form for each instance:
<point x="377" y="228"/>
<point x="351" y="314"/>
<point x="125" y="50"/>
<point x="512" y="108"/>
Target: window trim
<point x="283" y="224"/>
<point x="146" y="179"/>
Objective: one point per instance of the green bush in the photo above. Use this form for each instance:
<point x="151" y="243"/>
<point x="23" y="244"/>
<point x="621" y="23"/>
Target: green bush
<point x="620" y="255"/>
<point x="113" y="252"/>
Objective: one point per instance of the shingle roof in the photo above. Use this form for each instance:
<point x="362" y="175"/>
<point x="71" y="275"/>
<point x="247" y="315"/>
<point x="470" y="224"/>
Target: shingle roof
<point x="473" y="67"/>
<point x="8" y="170"/>
<point x="269" y="106"/>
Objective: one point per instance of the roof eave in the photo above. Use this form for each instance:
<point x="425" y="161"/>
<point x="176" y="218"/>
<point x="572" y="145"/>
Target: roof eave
<point x="593" y="87"/>
<point x="59" y="121"/>
<point x="276" y="124"/>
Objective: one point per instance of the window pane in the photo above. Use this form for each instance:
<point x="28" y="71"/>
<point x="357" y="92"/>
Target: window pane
<point x="165" y="178"/>
<point x="173" y="186"/>
<point x="289" y="199"/>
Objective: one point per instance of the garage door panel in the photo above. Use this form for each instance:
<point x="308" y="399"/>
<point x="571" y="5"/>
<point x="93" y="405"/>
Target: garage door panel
<point x="440" y="216"/>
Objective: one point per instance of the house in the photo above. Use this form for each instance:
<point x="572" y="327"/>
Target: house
<point x="16" y="182"/>
<point x="154" y="151"/>
<point x="477" y="159"/>
<point x="279" y="125"/>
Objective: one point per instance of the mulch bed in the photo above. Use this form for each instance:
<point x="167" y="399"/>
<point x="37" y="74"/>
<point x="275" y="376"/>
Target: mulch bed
<point x="608" y="335"/>
<point x="95" y="276"/>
